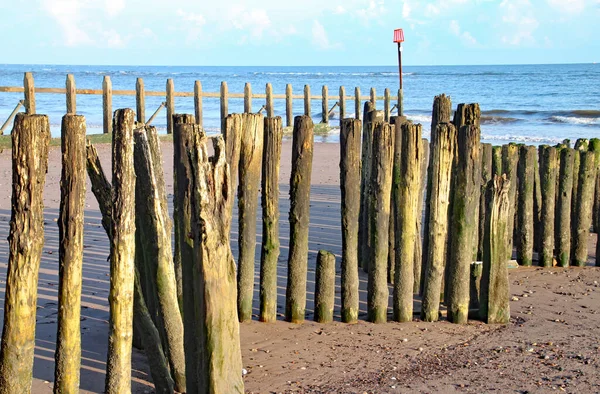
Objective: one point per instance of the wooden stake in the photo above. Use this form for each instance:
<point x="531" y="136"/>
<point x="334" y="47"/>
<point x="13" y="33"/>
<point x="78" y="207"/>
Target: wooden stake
<point x="247" y="98"/>
<point x="465" y="202"/>
<point x="302" y="155"/>
<point x="325" y="105"/>
<point x="350" y="190"/>
<point x="441" y="112"/>
<point x="486" y="177"/>
<point x="548" y="161"/>
<point x="71" y="94"/>
<point x="595" y="147"/>
<point x="510" y="160"/>
<point x="306" y="101"/>
<point x="582" y="144"/>
<point x="443" y="147"/>
<point x="289" y="112"/>
<point x="563" y="207"/>
<point x="270" y="209"/>
<point x="497" y="161"/>
<point x="325" y="287"/>
<point x="419" y="270"/>
<point x="224" y="104"/>
<point x="170" y="100"/>
<point x="583" y="212"/>
<point x="30" y="138"/>
<point x="386" y="105"/>
<point x="107" y="105"/>
<point x="357" y="103"/>
<point x="140" y="100"/>
<point x="537" y="205"/>
<point x="29" y="90"/>
<point x="198" y="102"/>
<point x="373" y="98"/>
<point x="70" y="228"/>
<point x="524" y="226"/>
<point x="342" y="104"/>
<point x="269" y="103"/>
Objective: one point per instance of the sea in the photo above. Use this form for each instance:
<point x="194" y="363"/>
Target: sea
<point x="533" y="104"/>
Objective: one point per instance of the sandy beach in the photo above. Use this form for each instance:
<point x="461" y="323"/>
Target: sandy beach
<point x="551" y="343"/>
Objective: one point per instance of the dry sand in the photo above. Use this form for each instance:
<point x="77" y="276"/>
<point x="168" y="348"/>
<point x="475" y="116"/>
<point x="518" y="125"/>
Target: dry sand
<point x="552" y="342"/>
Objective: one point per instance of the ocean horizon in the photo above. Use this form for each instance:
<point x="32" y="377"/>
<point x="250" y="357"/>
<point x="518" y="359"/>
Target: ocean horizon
<point x="531" y="103"/>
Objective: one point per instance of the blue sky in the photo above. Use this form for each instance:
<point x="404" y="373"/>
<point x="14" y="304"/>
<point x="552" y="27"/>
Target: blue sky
<point x="299" y="32"/>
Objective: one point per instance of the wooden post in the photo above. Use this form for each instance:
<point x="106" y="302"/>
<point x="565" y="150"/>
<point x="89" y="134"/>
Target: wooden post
<point x="289" y="111"/>
<point x="11" y="116"/>
<point x="140" y="100"/>
<point x="270" y="228"/>
<point x="548" y="163"/>
<point x="510" y="161"/>
<point x="406" y="187"/>
<point x="419" y="269"/>
<point x="497" y="161"/>
<point x="494" y="307"/>
<point x="107" y="114"/>
<point x="378" y="203"/>
<point x="29" y="90"/>
<point x="443" y="147"/>
<point x="170" y="100"/>
<point x="269" y="103"/>
<point x="247" y="98"/>
<point x="537" y="204"/>
<point x="373" y="97"/>
<point x="325" y="105"/>
<point x="224" y="104"/>
<point x="594" y="146"/>
<point x="251" y="154"/>
<point x="386" y="105"/>
<point x="306" y="101"/>
<point x="357" y="103"/>
<point x="486" y="177"/>
<point x="397" y="149"/>
<point x="465" y="201"/>
<point x="563" y="207"/>
<point x="350" y="203"/>
<point x="198" y="102"/>
<point x="441" y="112"/>
<point x="524" y="226"/>
<point x="582" y="144"/>
<point x="71" y="94"/>
<point x="30" y="138"/>
<point x="342" y="104"/>
<point x="233" y="145"/>
<point x="583" y="212"/>
<point x="302" y="155"/>
<point x="219" y="356"/>
<point x="153" y="223"/>
<point x="324" y="287"/>
<point x="400" y="102"/>
<point x="122" y="269"/>
<point x="70" y="228"/>
<point x="475" y="282"/>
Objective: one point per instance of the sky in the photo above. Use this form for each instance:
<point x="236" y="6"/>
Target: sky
<point x="298" y="32"/>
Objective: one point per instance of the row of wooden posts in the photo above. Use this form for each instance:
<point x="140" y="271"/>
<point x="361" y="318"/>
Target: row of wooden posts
<point x="70" y="91"/>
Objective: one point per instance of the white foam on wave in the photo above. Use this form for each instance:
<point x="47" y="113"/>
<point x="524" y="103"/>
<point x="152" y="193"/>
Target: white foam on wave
<point x="576" y="120"/>
<point x="423" y="119"/>
<point x="521" y="138"/>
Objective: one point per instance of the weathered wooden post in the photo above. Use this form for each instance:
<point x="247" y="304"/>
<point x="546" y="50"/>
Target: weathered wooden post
<point x="289" y="112"/>
<point x="378" y="204"/>
<point x="224" y="104"/>
<point x="30" y="138"/>
<point x="251" y="155"/>
<point x="247" y="98"/>
<point x="582" y="144"/>
<point x="406" y="187"/>
<point x="400" y="102"/>
<point x="583" y="212"/>
<point x="71" y="94"/>
<point x="170" y="100"/>
<point x="510" y="161"/>
<point x="270" y="209"/>
<point x="269" y="101"/>
<point x="140" y="100"/>
<point x="524" y="227"/>
<point x="563" y="207"/>
<point x="70" y="228"/>
<point x="350" y="190"/>
<point x="342" y="104"/>
<point x="497" y="161"/>
<point x="443" y="147"/>
<point x="325" y="105"/>
<point x="324" y="287"/>
<point x="357" y="103"/>
<point x="537" y="204"/>
<point x="107" y="126"/>
<point x="475" y="280"/>
<point x="302" y="155"/>
<point x="595" y="147"/>
<point x="122" y="247"/>
<point x="494" y="307"/>
<point x="29" y="93"/>
<point x="397" y="151"/>
<point x="548" y="163"/>
<point x="486" y="177"/>
<point x="218" y="356"/>
<point x="465" y="201"/>
<point x="419" y="270"/>
<point x="373" y="97"/>
<point x="306" y="101"/>
<point x="198" y="102"/>
<point x="441" y="112"/>
<point x="386" y="105"/>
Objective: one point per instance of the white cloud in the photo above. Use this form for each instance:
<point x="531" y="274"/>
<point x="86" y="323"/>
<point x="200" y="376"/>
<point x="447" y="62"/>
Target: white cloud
<point x="372" y="12"/>
<point x="568" y="6"/>
<point x="339" y="10"/>
<point x="466" y="37"/>
<point x="114" y="7"/>
<point x="192" y="24"/>
<point x="519" y="22"/>
<point x="113" y="39"/>
<point x="320" y="38"/>
<point x="66" y="13"/>
<point x="406" y="9"/>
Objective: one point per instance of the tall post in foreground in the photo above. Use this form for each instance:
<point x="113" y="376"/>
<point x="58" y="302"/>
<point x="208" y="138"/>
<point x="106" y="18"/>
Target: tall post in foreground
<point x="251" y="154"/>
<point x="30" y="138"/>
<point x="71" y="94"/>
<point x="494" y="307"/>
<point x="441" y="112"/>
<point x="497" y="161"/>
<point x="548" y="161"/>
<point x="306" y="101"/>
<point x="563" y="207"/>
<point x="140" y="100"/>
<point x="198" y="102"/>
<point x="581" y="145"/>
<point x="302" y="155"/>
<point x="595" y="147"/>
<point x="486" y="177"/>
<point x="465" y="202"/>
<point x="122" y="250"/>
<point x="419" y="268"/>
<point x="350" y="190"/>
<point x="378" y="205"/>
<point x="443" y="147"/>
<point x="70" y="228"/>
<point x="224" y="104"/>
<point x="527" y="157"/>
<point x="220" y="358"/>
<point x="289" y="112"/>
<point x="107" y="125"/>
<point x="510" y="160"/>
<point x="325" y="105"/>
<point x="537" y="204"/>
<point x="170" y="100"/>
<point x="406" y="187"/>
<point x="324" y="287"/>
<point x="583" y="212"/>
<point x="270" y="210"/>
